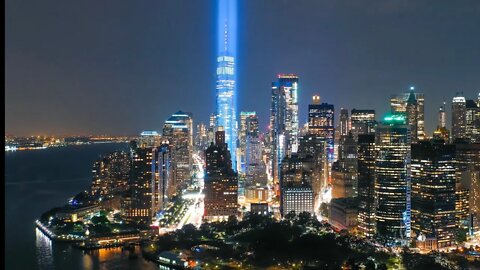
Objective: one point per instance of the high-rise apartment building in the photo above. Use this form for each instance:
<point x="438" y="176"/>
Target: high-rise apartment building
<point x="392" y="173"/>
<point x="321" y="123"/>
<point x="111" y="174"/>
<point x="221" y="184"/>
<point x="283" y="121"/>
<point x="433" y="191"/>
<point x="412" y="105"/>
<point x="143" y="179"/>
<point x="226" y="114"/>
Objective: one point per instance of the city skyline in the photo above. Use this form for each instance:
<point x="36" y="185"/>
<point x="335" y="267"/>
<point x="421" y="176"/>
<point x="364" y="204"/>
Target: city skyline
<point x="87" y="66"/>
<point x="243" y="134"/>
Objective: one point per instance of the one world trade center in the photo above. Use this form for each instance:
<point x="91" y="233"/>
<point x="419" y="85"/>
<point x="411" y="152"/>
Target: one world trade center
<point x="226" y="52"/>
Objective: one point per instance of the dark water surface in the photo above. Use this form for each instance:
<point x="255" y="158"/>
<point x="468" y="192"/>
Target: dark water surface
<point x="38" y="180"/>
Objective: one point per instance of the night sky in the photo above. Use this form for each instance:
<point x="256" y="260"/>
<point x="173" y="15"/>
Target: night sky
<point x="120" y="67"/>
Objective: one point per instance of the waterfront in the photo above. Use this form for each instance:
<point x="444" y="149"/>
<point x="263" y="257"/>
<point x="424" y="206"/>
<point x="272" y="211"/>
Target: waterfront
<point x="36" y="181"/>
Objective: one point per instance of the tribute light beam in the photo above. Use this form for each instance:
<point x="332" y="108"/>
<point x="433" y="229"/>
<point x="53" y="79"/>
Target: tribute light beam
<point x="226" y="78"/>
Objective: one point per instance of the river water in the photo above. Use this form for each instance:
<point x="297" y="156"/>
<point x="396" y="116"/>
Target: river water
<point x="38" y="180"/>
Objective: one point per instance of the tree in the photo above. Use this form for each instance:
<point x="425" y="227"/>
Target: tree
<point x="291" y="217"/>
<point x="96" y="220"/>
<point x="304" y="218"/>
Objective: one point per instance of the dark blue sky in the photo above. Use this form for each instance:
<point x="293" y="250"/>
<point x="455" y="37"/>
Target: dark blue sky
<point x="119" y="67"/>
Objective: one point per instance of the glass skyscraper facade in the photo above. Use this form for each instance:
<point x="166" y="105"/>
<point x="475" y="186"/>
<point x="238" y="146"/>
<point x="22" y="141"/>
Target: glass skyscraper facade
<point x="433" y="191"/>
<point x="283" y="121"/>
<point x="321" y="123"/>
<point x="412" y="104"/>
<point x="392" y="185"/>
<point x="226" y="52"/>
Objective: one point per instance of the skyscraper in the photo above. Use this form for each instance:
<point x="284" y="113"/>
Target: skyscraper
<point x="344" y="170"/>
<point x="472" y="121"/>
<point x="458" y="117"/>
<point x="296" y="192"/>
<point x="177" y="130"/>
<point x="163" y="191"/>
<point x="226" y="114"/>
<point x="412" y="104"/>
<point x="442" y="133"/>
<point x="221" y="184"/>
<point x="283" y="121"/>
<point x="143" y="180"/>
<point x="392" y="185"/>
<point x="321" y="123"/>
<point x="110" y="174"/>
<point x="313" y="146"/>
<point x="442" y="116"/>
<point x="201" y="138"/>
<point x="149" y="138"/>
<point x="344" y="122"/>
<point x="468" y="182"/>
<point x="433" y="191"/>
<point x="254" y="169"/>
<point x="362" y="122"/>
<point x="366" y="184"/>
<point x="248" y="123"/>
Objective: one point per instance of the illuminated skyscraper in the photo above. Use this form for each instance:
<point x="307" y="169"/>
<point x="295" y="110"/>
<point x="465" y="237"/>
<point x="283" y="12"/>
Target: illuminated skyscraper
<point x="442" y="133"/>
<point x="177" y="130"/>
<point x="149" y="138"/>
<point x="392" y="172"/>
<point x="110" y="174"/>
<point x="313" y="146"/>
<point x="201" y="138"/>
<point x="248" y="120"/>
<point x="458" y="117"/>
<point x="143" y="179"/>
<point x="221" y="184"/>
<point x="163" y="190"/>
<point x="468" y="182"/>
<point x="366" y="184"/>
<point x="362" y="122"/>
<point x="433" y="191"/>
<point x="226" y="114"/>
<point x="412" y="104"/>
<point x="296" y="185"/>
<point x="283" y="121"/>
<point x="472" y="121"/>
<point x="442" y="116"/>
<point x="344" y="170"/>
<point x="344" y="122"/>
<point x="321" y="123"/>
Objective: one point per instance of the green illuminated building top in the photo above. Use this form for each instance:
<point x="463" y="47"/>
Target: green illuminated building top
<point x="395" y="119"/>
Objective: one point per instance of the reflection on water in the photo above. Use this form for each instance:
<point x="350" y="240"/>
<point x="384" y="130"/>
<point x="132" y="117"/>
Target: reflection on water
<point x="44" y="250"/>
<point x="64" y="256"/>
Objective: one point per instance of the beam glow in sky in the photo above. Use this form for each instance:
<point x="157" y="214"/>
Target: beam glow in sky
<point x="226" y="112"/>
